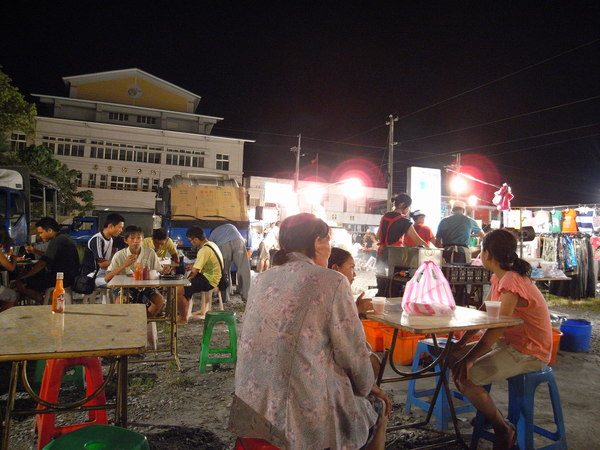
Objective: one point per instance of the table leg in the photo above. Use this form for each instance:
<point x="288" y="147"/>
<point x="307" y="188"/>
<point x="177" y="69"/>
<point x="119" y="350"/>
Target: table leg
<point x="10" y="403"/>
<point x="121" y="406"/>
<point x="173" y="299"/>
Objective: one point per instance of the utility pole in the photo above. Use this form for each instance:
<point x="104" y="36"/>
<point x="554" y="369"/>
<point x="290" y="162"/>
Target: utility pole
<point x="297" y="174"/>
<point x="391" y="143"/>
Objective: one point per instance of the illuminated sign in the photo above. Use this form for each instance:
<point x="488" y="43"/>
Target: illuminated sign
<point x="425" y="189"/>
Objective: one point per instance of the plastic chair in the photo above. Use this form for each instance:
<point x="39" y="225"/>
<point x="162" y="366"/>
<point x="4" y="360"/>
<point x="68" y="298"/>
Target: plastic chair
<point x="100" y="437"/>
<point x="205" y="302"/>
<point x="106" y="296"/>
<point x="48" y="296"/>
<point x="441" y="409"/>
<point x="521" y="397"/>
<point x="213" y="317"/>
<point x="78" y="375"/>
<point x="55" y="369"/>
<point x="253" y="444"/>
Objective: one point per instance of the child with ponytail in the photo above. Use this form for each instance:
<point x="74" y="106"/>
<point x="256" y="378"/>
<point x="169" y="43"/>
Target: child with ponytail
<point x="504" y="352"/>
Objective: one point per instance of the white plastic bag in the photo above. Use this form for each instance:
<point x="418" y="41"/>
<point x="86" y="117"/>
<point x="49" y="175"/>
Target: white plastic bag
<point x="428" y="292"/>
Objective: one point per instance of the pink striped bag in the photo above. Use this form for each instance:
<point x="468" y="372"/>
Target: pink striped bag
<point x="428" y="292"/>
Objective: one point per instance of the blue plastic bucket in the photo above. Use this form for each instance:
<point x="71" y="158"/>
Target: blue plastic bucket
<point x="577" y="334"/>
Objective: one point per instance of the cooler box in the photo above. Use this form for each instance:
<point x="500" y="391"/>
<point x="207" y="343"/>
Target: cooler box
<point x="406" y="345"/>
<point x="374" y="334"/>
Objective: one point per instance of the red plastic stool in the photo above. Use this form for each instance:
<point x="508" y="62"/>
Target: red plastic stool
<point x="253" y="444"/>
<point x="53" y="374"/>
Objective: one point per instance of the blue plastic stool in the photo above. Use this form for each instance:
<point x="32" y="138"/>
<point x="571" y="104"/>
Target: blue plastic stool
<point x="100" y="437"/>
<point x="521" y="396"/>
<point x="441" y="409"/>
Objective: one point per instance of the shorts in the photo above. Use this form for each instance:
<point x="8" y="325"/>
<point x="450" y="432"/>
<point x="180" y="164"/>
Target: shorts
<point x="263" y="254"/>
<point x="379" y="408"/>
<point x="41" y="281"/>
<point x="199" y="284"/>
<point x="134" y="295"/>
<point x="501" y="362"/>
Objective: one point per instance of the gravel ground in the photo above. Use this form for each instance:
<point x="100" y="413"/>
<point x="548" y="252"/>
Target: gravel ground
<point x="189" y="409"/>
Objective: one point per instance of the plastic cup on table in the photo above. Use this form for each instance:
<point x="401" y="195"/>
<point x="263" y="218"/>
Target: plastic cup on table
<point x="378" y="304"/>
<point x="493" y="308"/>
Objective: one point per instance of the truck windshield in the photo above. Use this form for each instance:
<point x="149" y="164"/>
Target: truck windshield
<point x="17" y="208"/>
<point x="2" y="205"/>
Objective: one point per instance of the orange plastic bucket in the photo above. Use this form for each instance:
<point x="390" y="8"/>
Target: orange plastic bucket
<point x="556" y="335"/>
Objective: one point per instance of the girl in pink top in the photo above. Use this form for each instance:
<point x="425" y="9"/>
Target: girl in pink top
<point x="505" y="352"/>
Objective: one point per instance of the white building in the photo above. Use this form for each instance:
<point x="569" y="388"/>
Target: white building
<point x="127" y="131"/>
<point x="334" y="203"/>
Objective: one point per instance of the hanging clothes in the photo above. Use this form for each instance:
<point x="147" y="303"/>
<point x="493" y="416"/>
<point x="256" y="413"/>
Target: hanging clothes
<point x="585" y="219"/>
<point x="541" y="221"/>
<point x="557" y="218"/>
<point x="569" y="224"/>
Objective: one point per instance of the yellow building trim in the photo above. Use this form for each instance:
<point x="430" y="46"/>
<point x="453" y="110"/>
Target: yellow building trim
<point x="132" y="91"/>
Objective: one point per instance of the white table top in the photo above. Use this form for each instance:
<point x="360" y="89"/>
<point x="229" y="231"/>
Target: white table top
<point x="125" y="281"/>
<point x="462" y="319"/>
<point x="34" y="332"/>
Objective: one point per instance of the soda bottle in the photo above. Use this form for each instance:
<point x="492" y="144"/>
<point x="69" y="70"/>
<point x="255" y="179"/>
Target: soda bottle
<point x="146" y="273"/>
<point x="58" y="295"/>
<point x="138" y="274"/>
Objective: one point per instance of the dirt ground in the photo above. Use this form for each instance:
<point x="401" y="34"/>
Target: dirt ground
<point x="189" y="409"/>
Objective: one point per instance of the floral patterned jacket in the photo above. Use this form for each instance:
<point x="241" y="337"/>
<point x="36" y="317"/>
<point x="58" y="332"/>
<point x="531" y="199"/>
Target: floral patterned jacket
<point x="303" y="370"/>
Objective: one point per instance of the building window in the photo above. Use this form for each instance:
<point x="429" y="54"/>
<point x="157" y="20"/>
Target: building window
<point x="78" y="179"/>
<point x="222" y="162"/>
<point x="92" y="180"/>
<point x="65" y="146"/>
<point x="103" y="181"/>
<point x="155" y="184"/>
<point x="146" y="184"/>
<point x="119" y="117"/>
<point x="17" y="141"/>
<point x="146" y="119"/>
<point x="124" y="183"/>
<point x="185" y="158"/>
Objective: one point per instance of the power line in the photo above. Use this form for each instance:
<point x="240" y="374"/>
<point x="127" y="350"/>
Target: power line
<point x="499" y="79"/>
<point x="467" y="149"/>
<point x="443" y="133"/>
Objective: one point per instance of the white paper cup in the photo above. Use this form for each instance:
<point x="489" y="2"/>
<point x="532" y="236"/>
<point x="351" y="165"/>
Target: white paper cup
<point x="493" y="308"/>
<point x="378" y="304"/>
<point x="154" y="274"/>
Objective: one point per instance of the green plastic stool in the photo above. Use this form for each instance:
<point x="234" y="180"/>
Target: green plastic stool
<point x="78" y="375"/>
<point x="100" y="437"/>
<point x="213" y="317"/>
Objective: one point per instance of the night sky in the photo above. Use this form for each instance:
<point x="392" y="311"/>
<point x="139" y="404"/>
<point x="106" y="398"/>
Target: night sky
<point x="455" y="73"/>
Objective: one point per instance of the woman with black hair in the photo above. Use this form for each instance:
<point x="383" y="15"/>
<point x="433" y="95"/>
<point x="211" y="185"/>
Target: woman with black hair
<point x="303" y="376"/>
<point x="504" y="352"/>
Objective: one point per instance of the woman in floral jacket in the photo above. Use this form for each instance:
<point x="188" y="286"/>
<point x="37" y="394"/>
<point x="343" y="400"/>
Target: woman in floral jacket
<point x="303" y="376"/>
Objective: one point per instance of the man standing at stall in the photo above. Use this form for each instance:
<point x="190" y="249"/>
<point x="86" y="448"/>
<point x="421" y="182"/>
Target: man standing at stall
<point x="233" y="248"/>
<point x="453" y="236"/>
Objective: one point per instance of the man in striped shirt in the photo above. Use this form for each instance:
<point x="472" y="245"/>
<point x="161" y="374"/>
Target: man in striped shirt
<point x="99" y="248"/>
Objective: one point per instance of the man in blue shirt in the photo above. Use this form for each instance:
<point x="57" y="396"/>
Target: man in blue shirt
<point x="233" y="248"/>
<point x="454" y="232"/>
<point x="453" y="236"/>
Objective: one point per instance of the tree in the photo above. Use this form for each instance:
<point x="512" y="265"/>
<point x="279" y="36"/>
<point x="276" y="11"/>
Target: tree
<point x="40" y="159"/>
<point x="15" y="112"/>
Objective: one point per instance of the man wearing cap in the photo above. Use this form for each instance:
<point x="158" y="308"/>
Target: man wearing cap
<point x="454" y="232"/>
<point x="422" y="230"/>
<point x="453" y="236"/>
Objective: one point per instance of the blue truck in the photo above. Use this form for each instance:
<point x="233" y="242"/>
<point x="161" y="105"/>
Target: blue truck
<point x="24" y="197"/>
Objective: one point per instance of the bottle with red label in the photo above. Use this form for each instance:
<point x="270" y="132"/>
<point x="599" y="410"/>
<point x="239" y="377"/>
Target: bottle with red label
<point x="58" y="295"/>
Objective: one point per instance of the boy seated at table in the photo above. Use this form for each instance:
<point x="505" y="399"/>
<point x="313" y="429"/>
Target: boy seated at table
<point x="124" y="263"/>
